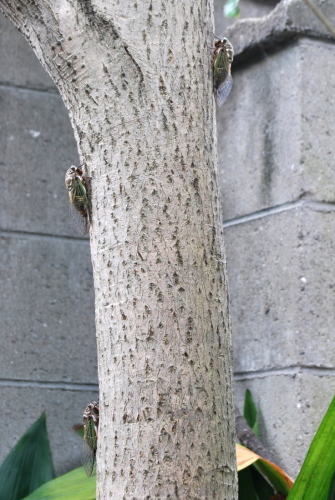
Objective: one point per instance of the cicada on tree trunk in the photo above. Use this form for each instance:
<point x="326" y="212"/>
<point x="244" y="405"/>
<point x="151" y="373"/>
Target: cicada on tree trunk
<point x="91" y="429"/>
<point x="77" y="186"/>
<point x="222" y="60"/>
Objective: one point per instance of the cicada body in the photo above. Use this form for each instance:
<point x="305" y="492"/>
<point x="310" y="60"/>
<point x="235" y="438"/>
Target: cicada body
<point x="222" y="60"/>
<point x="91" y="428"/>
<point x="76" y="184"/>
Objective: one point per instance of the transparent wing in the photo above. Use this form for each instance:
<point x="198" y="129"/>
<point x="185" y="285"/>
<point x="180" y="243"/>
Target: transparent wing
<point x="223" y="81"/>
<point x="89" y="448"/>
<point x="79" y="207"/>
<point x="79" y="190"/>
<point x="81" y="222"/>
<point x="223" y="90"/>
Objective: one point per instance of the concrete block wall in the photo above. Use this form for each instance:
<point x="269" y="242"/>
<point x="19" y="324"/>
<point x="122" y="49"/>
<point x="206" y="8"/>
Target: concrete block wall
<point x="47" y="332"/>
<point x="276" y="149"/>
<point x="276" y="156"/>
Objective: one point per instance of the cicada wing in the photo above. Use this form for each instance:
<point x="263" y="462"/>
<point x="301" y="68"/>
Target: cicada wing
<point x="79" y="210"/>
<point x="81" y="222"/>
<point x="88" y="460"/>
<point x="224" y="90"/>
<point x="89" y="448"/>
<point x="223" y="81"/>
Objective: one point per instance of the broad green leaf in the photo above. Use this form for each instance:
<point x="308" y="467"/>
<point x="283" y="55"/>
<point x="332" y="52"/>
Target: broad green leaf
<point x="246" y="490"/>
<point x="314" y="479"/>
<point x="331" y="491"/>
<point x="253" y="486"/>
<point x="28" y="465"/>
<point x="231" y="8"/>
<point x="274" y="474"/>
<point x="262" y="487"/>
<point x="74" y="485"/>
<point x="250" y="412"/>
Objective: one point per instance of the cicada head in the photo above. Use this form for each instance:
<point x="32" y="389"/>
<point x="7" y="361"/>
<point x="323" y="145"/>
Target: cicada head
<point x="91" y="412"/>
<point x="71" y="174"/>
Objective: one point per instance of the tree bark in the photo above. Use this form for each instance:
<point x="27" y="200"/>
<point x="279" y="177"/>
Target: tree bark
<point x="136" y="78"/>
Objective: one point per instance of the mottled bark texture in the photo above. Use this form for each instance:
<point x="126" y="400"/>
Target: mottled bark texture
<point x="136" y="78"/>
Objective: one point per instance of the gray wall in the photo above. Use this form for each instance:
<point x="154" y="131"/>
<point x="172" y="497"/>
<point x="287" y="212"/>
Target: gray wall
<point x="47" y="332"/>
<point x="276" y="147"/>
<point x="278" y="187"/>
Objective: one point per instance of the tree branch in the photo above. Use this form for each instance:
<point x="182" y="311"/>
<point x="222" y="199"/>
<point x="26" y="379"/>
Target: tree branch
<point x="38" y="23"/>
<point x="320" y="16"/>
<point x="248" y="438"/>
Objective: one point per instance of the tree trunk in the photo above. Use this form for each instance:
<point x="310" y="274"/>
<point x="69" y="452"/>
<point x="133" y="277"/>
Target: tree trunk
<point x="137" y="81"/>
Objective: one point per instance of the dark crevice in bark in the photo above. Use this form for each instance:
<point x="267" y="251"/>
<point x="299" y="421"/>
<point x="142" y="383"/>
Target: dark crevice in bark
<point x="137" y="66"/>
<point x="97" y="20"/>
<point x="105" y="28"/>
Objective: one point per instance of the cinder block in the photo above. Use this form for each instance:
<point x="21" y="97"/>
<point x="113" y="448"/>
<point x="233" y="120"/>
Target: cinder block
<point x="46" y="310"/>
<point x="282" y="285"/>
<point x="18" y="64"/>
<point x="291" y="407"/>
<point x="317" y="123"/>
<point x="274" y="130"/>
<point x="64" y="408"/>
<point x="37" y="145"/>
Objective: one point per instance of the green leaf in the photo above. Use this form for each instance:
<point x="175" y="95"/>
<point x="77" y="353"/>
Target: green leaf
<point x="250" y="412"/>
<point x="274" y="474"/>
<point x="231" y="8"/>
<point x="28" y="465"/>
<point x="74" y="485"/>
<point x="253" y="486"/>
<point x="246" y="490"/>
<point x="331" y="491"/>
<point x="263" y="489"/>
<point x="315" y="477"/>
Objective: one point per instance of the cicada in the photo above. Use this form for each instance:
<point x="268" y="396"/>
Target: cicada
<point x="223" y="57"/>
<point x="77" y="187"/>
<point x="91" y="428"/>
